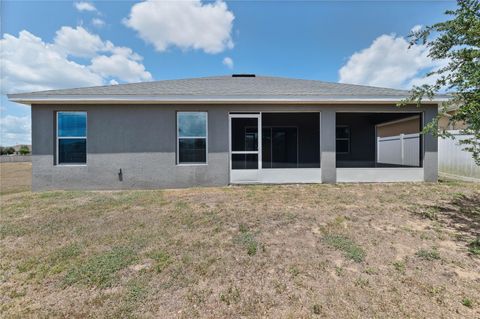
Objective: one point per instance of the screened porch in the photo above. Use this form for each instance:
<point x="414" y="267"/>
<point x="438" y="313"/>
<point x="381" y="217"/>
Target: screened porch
<point x="275" y="147"/>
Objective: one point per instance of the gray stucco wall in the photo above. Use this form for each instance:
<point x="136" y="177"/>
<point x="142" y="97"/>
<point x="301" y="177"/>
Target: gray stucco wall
<point x="141" y="140"/>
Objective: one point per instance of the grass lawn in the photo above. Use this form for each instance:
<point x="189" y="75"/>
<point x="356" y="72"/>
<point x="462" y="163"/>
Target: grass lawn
<point x="15" y="177"/>
<point x="338" y="251"/>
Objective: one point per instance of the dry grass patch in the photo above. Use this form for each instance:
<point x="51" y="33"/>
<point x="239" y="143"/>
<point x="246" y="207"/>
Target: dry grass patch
<point x="15" y="177"/>
<point x="254" y="251"/>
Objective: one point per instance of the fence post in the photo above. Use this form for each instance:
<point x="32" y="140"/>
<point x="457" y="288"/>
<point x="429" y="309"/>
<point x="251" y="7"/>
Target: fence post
<point x="378" y="149"/>
<point x="402" y="146"/>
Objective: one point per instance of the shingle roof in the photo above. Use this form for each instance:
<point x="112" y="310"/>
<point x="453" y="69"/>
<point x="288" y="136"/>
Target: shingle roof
<point x="218" y="88"/>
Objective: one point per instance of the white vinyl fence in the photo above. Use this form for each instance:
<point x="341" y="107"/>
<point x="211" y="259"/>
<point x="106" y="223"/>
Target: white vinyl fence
<point x="452" y="160"/>
<point x="403" y="149"/>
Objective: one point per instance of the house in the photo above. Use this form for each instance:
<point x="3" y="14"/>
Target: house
<point x="226" y="130"/>
<point x="444" y="121"/>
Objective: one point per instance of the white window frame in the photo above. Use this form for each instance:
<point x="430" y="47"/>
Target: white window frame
<point x="57" y="138"/>
<point x="343" y="138"/>
<point x="192" y="137"/>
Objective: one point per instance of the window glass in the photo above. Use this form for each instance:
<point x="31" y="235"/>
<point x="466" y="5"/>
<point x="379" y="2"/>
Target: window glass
<point x="342" y="139"/>
<point x="244" y="134"/>
<point x="244" y="161"/>
<point x="72" y="150"/>
<point x="279" y="147"/>
<point x="72" y="124"/>
<point x="343" y="132"/>
<point x="251" y="139"/>
<point x="192" y="150"/>
<point x="192" y="124"/>
<point x="342" y="146"/>
<point x="192" y="137"/>
<point x="267" y="147"/>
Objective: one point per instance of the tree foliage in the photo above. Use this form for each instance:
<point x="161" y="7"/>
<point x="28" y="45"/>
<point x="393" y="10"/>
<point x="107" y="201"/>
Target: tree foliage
<point x="24" y="150"/>
<point x="457" y="42"/>
<point x="7" y="150"/>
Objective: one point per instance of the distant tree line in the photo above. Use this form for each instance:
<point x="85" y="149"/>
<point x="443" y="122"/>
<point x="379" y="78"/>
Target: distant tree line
<point x="7" y="150"/>
<point x="24" y="150"/>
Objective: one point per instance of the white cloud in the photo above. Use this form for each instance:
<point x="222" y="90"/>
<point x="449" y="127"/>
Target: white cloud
<point x="29" y="64"/>
<point x="228" y="62"/>
<point x="122" y="63"/>
<point x="121" y="67"/>
<point x="416" y="28"/>
<point x="97" y="22"/>
<point x="185" y="24"/>
<point x="388" y="62"/>
<point x="14" y="130"/>
<point x="84" y="6"/>
<point x="78" y="42"/>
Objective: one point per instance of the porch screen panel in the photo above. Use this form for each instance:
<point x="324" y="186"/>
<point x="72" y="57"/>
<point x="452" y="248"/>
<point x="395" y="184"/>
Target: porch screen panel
<point x="244" y="143"/>
<point x="378" y="140"/>
<point x="290" y="140"/>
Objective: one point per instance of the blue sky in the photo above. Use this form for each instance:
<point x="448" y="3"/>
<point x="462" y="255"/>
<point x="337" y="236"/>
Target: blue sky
<point x="100" y="42"/>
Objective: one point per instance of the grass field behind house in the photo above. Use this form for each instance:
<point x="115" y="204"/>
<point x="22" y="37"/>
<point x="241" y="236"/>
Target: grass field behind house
<point x="335" y="251"/>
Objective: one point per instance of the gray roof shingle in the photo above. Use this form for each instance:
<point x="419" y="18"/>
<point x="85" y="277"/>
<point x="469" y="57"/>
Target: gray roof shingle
<point x="218" y="87"/>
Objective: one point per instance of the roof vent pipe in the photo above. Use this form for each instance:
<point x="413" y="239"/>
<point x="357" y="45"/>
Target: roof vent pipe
<point x="243" y="75"/>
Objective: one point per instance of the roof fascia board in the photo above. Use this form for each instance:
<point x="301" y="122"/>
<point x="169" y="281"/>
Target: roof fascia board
<point x="166" y="100"/>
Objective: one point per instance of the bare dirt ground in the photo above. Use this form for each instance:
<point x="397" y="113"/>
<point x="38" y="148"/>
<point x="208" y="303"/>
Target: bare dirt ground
<point x="326" y="251"/>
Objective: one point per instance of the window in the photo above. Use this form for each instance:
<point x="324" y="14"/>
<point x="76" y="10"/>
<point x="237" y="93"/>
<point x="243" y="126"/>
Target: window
<point x="192" y="137"/>
<point x="71" y="138"/>
<point x="342" y="139"/>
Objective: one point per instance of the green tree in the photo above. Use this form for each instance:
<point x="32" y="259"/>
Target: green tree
<point x="9" y="150"/>
<point x="456" y="41"/>
<point x="24" y="150"/>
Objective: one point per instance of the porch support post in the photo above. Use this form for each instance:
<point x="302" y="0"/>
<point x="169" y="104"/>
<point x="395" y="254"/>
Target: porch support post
<point x="430" y="158"/>
<point x="327" y="145"/>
